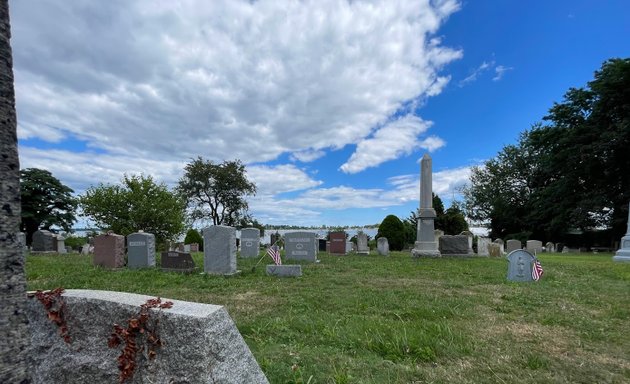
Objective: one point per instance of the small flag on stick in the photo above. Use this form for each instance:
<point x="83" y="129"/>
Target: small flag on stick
<point x="537" y="271"/>
<point x="274" y="253"/>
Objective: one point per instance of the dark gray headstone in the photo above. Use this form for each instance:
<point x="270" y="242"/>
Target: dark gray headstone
<point x="382" y="245"/>
<point x="250" y="242"/>
<point x="109" y="250"/>
<point x="284" y="270"/>
<point x="520" y="265"/>
<point x="300" y="246"/>
<point x="219" y="250"/>
<point x="140" y="250"/>
<point x="43" y="241"/>
<point x="456" y="245"/>
<point x="174" y="261"/>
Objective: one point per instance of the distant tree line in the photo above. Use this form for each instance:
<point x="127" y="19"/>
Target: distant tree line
<point x="568" y="173"/>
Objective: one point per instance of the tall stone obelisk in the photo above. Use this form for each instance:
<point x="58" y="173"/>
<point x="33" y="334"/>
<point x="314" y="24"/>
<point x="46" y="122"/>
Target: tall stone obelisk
<point x="425" y="245"/>
<point x="623" y="254"/>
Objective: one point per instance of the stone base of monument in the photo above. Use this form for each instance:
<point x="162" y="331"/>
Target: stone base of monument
<point x="622" y="255"/>
<point x="288" y="270"/>
<point x="425" y="249"/>
<point x="200" y="342"/>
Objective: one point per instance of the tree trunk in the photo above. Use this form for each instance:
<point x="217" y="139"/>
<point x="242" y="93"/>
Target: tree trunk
<point x="14" y="336"/>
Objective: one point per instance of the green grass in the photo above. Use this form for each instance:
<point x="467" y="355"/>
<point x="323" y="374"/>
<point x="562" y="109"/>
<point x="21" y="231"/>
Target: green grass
<point x="371" y="319"/>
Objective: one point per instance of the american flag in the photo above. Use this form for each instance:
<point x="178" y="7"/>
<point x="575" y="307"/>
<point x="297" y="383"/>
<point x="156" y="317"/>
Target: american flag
<point x="537" y="271"/>
<point x="274" y="253"/>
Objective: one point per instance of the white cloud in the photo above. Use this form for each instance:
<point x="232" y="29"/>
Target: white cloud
<point x="395" y="139"/>
<point x="446" y="183"/>
<point x="476" y="73"/>
<point x="500" y="71"/>
<point x="228" y="79"/>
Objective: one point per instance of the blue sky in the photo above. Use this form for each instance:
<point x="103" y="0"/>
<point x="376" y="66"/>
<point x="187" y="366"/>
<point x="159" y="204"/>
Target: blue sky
<point x="330" y="104"/>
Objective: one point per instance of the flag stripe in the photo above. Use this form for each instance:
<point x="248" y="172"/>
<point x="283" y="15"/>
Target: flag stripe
<point x="274" y="253"/>
<point x="537" y="270"/>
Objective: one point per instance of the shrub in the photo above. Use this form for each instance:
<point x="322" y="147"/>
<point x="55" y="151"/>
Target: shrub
<point x="394" y="230"/>
<point x="193" y="236"/>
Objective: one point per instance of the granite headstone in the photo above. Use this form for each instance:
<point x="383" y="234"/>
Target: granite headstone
<point x="219" y="250"/>
<point x="250" y="242"/>
<point x="300" y="246"/>
<point x="140" y="250"/>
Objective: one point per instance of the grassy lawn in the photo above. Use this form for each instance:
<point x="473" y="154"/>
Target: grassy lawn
<point x="371" y="319"/>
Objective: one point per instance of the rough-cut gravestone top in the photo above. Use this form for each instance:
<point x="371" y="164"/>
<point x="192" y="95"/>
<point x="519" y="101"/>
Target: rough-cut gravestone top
<point x="200" y="343"/>
<point x="300" y="246"/>
<point x="513" y="245"/>
<point x="219" y="250"/>
<point x="520" y="265"/>
<point x="250" y="242"/>
<point x="140" y="250"/>
<point x="109" y="250"/>
<point x="534" y="246"/>
<point x="43" y="241"/>
<point x="174" y="261"/>
<point x="338" y="243"/>
<point x="382" y="245"/>
<point x="362" y="244"/>
<point x="455" y="245"/>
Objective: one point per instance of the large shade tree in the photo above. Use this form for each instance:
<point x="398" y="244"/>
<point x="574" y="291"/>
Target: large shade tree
<point x="216" y="192"/>
<point x="14" y="367"/>
<point x="46" y="202"/>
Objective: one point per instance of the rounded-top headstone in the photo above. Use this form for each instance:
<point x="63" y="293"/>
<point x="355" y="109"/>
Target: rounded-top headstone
<point x="520" y="265"/>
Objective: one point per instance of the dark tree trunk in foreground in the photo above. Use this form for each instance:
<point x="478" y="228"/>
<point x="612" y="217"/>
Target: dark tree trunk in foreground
<point x="14" y="337"/>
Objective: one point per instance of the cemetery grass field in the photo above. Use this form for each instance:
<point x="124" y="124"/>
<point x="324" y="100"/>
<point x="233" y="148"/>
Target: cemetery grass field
<point x="372" y="319"/>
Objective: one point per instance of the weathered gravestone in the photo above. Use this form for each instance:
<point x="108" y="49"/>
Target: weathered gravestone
<point x="338" y="243"/>
<point x="85" y="249"/>
<point x="349" y="246"/>
<point x="60" y="244"/>
<point x="43" y="241"/>
<point x="482" y="246"/>
<point x="300" y="246"/>
<point x="194" y="247"/>
<point x="470" y="237"/>
<point x="382" y="245"/>
<point x="219" y="250"/>
<point x="174" y="261"/>
<point x="362" y="244"/>
<point x="291" y="270"/>
<point x="550" y="247"/>
<point x="140" y="250"/>
<point x="501" y="245"/>
<point x="513" y="245"/>
<point x="109" y="250"/>
<point x="456" y="245"/>
<point x="187" y="248"/>
<point x="520" y="264"/>
<point x="623" y="253"/>
<point x="494" y="250"/>
<point x="437" y="234"/>
<point x="534" y="246"/>
<point x="250" y="242"/>
<point x="201" y="343"/>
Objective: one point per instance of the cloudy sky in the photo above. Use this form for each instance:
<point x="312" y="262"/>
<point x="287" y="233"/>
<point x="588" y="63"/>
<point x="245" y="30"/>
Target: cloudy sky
<point x="329" y="103"/>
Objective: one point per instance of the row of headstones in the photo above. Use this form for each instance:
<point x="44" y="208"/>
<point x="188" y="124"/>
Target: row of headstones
<point x="338" y="245"/>
<point x="219" y="250"/>
<point x="462" y="245"/>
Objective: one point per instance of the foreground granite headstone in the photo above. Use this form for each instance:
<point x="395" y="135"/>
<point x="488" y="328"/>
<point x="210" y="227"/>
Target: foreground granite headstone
<point x="109" y="250"/>
<point x="382" y="245"/>
<point x="219" y="250"/>
<point x="456" y="245"/>
<point x="201" y="343"/>
<point x="289" y="270"/>
<point x="140" y="250"/>
<point x="174" y="261"/>
<point x="520" y="265"/>
<point x="250" y="242"/>
<point x="300" y="246"/>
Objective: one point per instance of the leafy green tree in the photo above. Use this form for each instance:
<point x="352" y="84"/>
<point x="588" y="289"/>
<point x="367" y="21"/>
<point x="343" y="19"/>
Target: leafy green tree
<point x="394" y="230"/>
<point x="193" y="236"/>
<point x="46" y="202"/>
<point x="136" y="204"/>
<point x="453" y="222"/>
<point x="216" y="191"/>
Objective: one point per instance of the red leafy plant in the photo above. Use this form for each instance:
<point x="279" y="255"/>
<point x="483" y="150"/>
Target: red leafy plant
<point x="137" y="326"/>
<point x="55" y="307"/>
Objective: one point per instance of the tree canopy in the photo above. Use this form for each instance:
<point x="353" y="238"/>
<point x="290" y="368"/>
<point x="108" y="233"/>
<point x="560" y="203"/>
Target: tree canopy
<point x="216" y="191"/>
<point x="393" y="229"/>
<point x="569" y="171"/>
<point x="46" y="202"/>
<point x="138" y="203"/>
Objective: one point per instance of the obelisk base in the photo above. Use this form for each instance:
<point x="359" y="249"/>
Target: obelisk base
<point x="623" y="254"/>
<point x="425" y="249"/>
